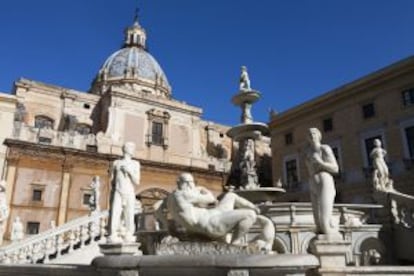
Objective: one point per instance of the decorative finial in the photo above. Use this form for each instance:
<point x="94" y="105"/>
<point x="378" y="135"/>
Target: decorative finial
<point x="136" y="15"/>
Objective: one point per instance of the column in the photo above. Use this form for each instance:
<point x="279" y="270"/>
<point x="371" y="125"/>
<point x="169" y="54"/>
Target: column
<point x="12" y="162"/>
<point x="64" y="192"/>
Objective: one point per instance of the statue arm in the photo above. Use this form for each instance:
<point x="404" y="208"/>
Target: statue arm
<point x="330" y="165"/>
<point x="200" y="195"/>
<point x="134" y="172"/>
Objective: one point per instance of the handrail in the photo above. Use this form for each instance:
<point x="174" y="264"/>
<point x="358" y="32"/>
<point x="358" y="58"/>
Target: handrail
<point x="56" y="241"/>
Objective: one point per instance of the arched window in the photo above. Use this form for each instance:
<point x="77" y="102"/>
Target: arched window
<point x="150" y="196"/>
<point x="42" y="121"/>
<point x="151" y="199"/>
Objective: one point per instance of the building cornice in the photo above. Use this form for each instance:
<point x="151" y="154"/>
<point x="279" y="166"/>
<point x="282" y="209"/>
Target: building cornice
<point x="346" y="91"/>
<point x="158" y="102"/>
<point x="54" y="90"/>
<point x="7" y="98"/>
<point x="42" y="151"/>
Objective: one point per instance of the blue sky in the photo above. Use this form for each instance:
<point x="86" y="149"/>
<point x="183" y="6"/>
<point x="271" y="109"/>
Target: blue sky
<point x="294" y="50"/>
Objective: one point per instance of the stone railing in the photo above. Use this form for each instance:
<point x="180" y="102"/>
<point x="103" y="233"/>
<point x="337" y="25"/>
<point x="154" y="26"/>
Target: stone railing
<point x="399" y="216"/>
<point x="402" y="209"/>
<point x="74" y="235"/>
<point x="69" y="139"/>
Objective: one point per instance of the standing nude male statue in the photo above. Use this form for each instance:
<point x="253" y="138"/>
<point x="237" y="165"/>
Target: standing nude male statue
<point x="125" y="176"/>
<point x="321" y="164"/>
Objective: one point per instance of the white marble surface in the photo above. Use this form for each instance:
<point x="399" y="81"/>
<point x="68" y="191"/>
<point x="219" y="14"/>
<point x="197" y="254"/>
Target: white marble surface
<point x="231" y="215"/>
<point x="321" y="164"/>
<point x="125" y="176"/>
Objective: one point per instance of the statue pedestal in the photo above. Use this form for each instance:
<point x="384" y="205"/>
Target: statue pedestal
<point x="131" y="248"/>
<point x="331" y="250"/>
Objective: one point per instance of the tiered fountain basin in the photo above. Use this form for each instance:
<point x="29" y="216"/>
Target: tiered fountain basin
<point x="252" y="130"/>
<point x="261" y="195"/>
<point x="250" y="96"/>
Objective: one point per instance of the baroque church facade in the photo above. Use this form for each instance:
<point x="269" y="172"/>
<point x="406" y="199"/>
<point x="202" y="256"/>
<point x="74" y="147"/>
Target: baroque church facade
<point x="57" y="139"/>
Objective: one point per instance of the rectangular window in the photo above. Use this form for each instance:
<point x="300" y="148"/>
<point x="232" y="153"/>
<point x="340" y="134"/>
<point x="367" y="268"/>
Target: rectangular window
<point x="86" y="198"/>
<point x="288" y="138"/>
<point x="327" y="125"/>
<point x="45" y="140"/>
<point x="91" y="148"/>
<point x="291" y="173"/>
<point x="369" y="145"/>
<point x="368" y="110"/>
<point x="157" y="133"/>
<point x="409" y="134"/>
<point x="32" y="227"/>
<point x="37" y="195"/>
<point x="408" y="97"/>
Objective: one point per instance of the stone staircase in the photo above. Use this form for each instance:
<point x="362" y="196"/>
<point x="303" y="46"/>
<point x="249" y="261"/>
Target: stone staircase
<point x="57" y="244"/>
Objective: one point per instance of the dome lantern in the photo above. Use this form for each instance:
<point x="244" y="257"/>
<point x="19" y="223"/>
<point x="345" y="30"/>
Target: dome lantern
<point x="135" y="35"/>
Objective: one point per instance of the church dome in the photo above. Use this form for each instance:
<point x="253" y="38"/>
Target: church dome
<point x="133" y="67"/>
<point x="137" y="61"/>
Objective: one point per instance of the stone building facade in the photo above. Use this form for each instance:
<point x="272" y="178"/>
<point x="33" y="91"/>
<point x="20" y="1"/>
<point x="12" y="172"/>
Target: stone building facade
<point x="57" y="139"/>
<point x="379" y="105"/>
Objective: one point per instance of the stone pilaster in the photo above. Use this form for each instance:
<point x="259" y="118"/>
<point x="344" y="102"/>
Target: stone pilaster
<point x="12" y="162"/>
<point x="64" y="192"/>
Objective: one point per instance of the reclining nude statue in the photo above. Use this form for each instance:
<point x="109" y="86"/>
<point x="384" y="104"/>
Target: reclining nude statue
<point x="232" y="214"/>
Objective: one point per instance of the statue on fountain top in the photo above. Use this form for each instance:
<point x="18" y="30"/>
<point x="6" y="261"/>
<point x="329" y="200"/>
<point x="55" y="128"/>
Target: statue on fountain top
<point x="244" y="80"/>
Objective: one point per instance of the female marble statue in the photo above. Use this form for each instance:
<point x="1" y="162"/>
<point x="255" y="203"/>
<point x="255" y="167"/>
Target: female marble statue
<point x="381" y="172"/>
<point x="321" y="164"/>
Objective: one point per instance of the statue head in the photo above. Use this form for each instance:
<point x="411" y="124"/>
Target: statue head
<point x="185" y="181"/>
<point x="377" y="143"/>
<point x="129" y="148"/>
<point x="314" y="136"/>
<point x="244" y="68"/>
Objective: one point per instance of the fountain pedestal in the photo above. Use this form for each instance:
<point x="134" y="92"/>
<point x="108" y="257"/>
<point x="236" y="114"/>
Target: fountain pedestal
<point x="247" y="133"/>
<point x="331" y="251"/>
